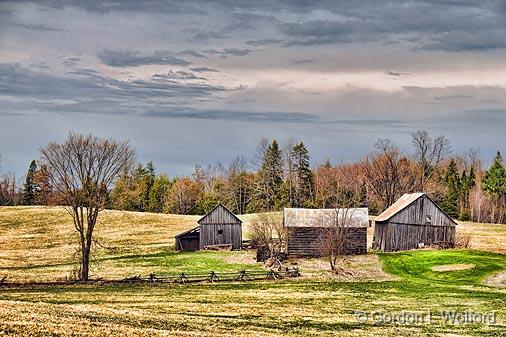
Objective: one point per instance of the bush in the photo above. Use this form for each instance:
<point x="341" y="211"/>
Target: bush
<point x="463" y="240"/>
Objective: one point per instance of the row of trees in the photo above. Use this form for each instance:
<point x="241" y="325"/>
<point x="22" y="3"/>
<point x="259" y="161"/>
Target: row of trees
<point x="277" y="177"/>
<point x="88" y="174"/>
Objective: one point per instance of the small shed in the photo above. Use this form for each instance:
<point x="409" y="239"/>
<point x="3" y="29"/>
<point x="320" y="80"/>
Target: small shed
<point x="304" y="229"/>
<point x="219" y="227"/>
<point x="188" y="241"/>
<point x="414" y="221"/>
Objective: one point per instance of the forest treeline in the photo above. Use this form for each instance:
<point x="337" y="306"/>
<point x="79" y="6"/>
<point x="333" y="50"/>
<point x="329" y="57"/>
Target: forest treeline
<point x="281" y="176"/>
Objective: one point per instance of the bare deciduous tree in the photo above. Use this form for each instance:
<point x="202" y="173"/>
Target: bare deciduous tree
<point x="387" y="173"/>
<point x="428" y="153"/>
<point x="268" y="231"/>
<point x="337" y="237"/>
<point x="82" y="169"/>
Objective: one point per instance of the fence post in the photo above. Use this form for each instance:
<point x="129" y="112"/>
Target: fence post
<point x="213" y="277"/>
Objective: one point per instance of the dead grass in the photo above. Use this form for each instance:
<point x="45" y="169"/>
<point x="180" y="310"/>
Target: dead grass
<point x="452" y="267"/>
<point x="498" y="280"/>
<point x="359" y="268"/>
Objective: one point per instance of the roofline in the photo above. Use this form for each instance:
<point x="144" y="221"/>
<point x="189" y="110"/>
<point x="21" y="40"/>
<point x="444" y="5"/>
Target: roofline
<point x="235" y="216"/>
<point x="188" y="231"/>
<point x="421" y="195"/>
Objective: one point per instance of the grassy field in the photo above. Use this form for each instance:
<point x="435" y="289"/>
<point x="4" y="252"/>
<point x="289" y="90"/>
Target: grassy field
<point x="36" y="243"/>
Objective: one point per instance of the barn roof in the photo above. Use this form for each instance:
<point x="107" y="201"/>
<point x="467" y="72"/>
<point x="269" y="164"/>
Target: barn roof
<point x="305" y="217"/>
<point x="401" y="203"/>
<point x="219" y="214"/>
<point x="190" y="231"/>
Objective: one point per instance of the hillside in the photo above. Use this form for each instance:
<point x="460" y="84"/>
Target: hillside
<point x="35" y="243"/>
<point x="38" y="243"/>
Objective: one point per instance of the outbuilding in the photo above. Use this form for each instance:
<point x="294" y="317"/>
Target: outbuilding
<point x="414" y="221"/>
<point x="218" y="228"/>
<point x="305" y="228"/>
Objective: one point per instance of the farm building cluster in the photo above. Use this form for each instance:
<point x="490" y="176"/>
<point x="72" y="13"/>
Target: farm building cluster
<point x="413" y="221"/>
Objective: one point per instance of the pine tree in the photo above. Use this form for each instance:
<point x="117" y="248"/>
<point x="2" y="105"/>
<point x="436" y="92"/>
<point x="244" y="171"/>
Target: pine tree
<point x="30" y="187"/>
<point x="466" y="184"/>
<point x="158" y="193"/>
<point x="305" y="184"/>
<point x="494" y="183"/>
<point x="452" y="182"/>
<point x="271" y="178"/>
<point x="495" y="178"/>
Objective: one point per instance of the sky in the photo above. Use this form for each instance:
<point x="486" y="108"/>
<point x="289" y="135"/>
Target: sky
<point x="199" y="82"/>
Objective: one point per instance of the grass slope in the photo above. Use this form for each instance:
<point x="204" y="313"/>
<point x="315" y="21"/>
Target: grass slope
<point x="37" y="243"/>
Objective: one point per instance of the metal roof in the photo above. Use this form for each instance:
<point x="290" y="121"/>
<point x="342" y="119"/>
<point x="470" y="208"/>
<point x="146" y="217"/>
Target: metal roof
<point x="401" y="203"/>
<point x="328" y="217"/>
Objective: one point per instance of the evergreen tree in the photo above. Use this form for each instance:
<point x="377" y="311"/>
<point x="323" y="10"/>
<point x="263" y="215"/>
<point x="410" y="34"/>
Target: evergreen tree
<point x="494" y="183"/>
<point x="466" y="184"/>
<point x="30" y="187"/>
<point x="158" y="193"/>
<point x="305" y="185"/>
<point x="452" y="182"/>
<point x="271" y="179"/>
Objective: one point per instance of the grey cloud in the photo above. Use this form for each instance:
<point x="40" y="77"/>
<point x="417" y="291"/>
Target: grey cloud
<point x="204" y="70"/>
<point x="71" y="61"/>
<point x="192" y="53"/>
<point x="237" y="51"/>
<point x="262" y="42"/>
<point x="38" y="27"/>
<point x="396" y="73"/>
<point x="201" y="35"/>
<point x="444" y="25"/>
<point x="303" y="61"/>
<point x="96" y="93"/>
<point x="133" y="58"/>
<point x="239" y="115"/>
<point x="177" y="75"/>
<point x="227" y="52"/>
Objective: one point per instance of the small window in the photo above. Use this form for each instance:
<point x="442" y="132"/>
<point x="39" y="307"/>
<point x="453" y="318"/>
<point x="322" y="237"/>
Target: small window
<point x="428" y="219"/>
<point x="220" y="231"/>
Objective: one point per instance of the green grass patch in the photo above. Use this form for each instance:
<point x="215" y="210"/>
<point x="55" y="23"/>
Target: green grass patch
<point x="168" y="262"/>
<point x="417" y="265"/>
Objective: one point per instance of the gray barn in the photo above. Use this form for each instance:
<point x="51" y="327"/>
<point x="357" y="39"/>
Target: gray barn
<point x="304" y="229"/>
<point x="413" y="221"/>
<point x="219" y="227"/>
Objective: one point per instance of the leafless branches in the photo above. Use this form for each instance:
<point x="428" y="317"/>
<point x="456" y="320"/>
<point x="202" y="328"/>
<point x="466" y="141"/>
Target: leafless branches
<point x="387" y="173"/>
<point x="82" y="169"/>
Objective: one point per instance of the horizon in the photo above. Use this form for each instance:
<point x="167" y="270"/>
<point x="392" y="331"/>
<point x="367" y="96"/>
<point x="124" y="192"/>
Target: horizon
<point x="200" y="83"/>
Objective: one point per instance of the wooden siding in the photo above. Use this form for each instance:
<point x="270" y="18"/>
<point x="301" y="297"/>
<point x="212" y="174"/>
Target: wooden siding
<point x="416" y="214"/>
<point x="306" y="241"/>
<point x="219" y="215"/>
<point x="231" y="234"/>
<point x="411" y="227"/>
<point x="391" y="237"/>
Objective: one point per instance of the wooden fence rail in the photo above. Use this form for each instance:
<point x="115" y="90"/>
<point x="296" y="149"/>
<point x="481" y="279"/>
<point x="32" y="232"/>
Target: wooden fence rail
<point x="182" y="278"/>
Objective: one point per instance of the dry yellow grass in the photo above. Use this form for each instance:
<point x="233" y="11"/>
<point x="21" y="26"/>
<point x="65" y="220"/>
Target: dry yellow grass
<point x="452" y="267"/>
<point x="37" y="243"/>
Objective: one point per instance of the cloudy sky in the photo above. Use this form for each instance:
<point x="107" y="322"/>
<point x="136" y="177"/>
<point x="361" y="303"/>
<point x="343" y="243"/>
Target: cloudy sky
<point x="199" y="82"/>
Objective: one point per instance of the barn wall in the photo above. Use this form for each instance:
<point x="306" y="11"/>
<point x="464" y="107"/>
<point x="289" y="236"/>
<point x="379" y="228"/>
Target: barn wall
<point x="232" y="235"/>
<point x="219" y="215"/>
<point x="409" y="228"/>
<point x="417" y="212"/>
<point x="305" y="241"/>
<point x="391" y="237"/>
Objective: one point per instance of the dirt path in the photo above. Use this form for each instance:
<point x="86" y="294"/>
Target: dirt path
<point x="497" y="280"/>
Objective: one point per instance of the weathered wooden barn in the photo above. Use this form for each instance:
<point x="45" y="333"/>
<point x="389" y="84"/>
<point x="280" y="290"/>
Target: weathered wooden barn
<point x="413" y="221"/>
<point x="219" y="227"/>
<point x="305" y="228"/>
